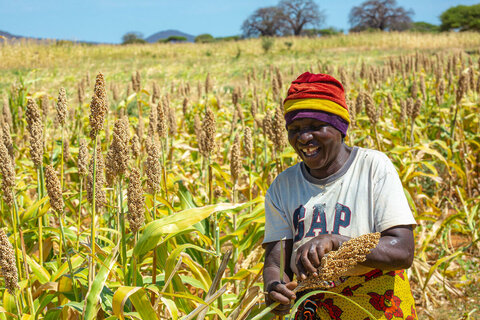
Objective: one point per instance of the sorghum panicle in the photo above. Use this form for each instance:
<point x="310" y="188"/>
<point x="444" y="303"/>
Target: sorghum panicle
<point x="8" y="175"/>
<point x="100" y="194"/>
<point x="83" y="158"/>
<point x="35" y="128"/>
<point x="54" y="189"/>
<point x="98" y="106"/>
<point x="62" y="106"/>
<point x="136" y="201"/>
<point x="152" y="165"/>
<point x="7" y="263"/>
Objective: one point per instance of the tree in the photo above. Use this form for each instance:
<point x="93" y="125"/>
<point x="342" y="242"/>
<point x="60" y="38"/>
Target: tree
<point x="268" y="21"/>
<point x="132" y="37"/>
<point x="379" y="14"/>
<point x="421" y="26"/>
<point x="330" y="31"/>
<point x="173" y="39"/>
<point x="204" y="38"/>
<point x="300" y="13"/>
<point x="462" y="18"/>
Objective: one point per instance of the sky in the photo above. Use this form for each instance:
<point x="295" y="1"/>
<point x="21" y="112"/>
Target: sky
<point x="108" y="20"/>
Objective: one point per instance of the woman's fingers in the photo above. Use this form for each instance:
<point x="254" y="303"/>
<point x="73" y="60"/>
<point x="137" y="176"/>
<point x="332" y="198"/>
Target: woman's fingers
<point x="301" y="271"/>
<point x="292" y="285"/>
<point x="305" y="260"/>
<point x="314" y="257"/>
<point x="282" y="294"/>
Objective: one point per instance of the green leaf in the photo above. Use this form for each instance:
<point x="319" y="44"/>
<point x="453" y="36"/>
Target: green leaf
<point x="171" y="261"/>
<point x="31" y="212"/>
<point x="139" y="299"/>
<point x="76" y="260"/>
<point x="175" y="223"/>
<point x="93" y="294"/>
<point x="42" y="274"/>
<point x="171" y="307"/>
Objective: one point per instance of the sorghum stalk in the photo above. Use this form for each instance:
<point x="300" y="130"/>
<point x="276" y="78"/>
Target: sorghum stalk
<point x="54" y="190"/>
<point x="248" y="150"/>
<point x="61" y="116"/>
<point x="82" y="172"/>
<point x="79" y="214"/>
<point x="61" y="158"/>
<point x="235" y="169"/>
<point x="35" y="128"/>
<point x="117" y="162"/>
<point x="98" y="109"/>
<point x="414" y="114"/>
<point x="208" y="142"/>
<point x="91" y="269"/>
<point x="153" y="173"/>
<point x="122" y="227"/>
<point x="162" y="115"/>
<point x="459" y="93"/>
<point x="154" y="263"/>
<point x="40" y="219"/>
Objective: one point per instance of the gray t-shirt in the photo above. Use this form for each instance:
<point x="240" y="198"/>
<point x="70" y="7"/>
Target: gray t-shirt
<point x="365" y="195"/>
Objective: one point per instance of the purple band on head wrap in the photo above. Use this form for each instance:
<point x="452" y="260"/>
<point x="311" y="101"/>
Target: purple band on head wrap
<point x="334" y="120"/>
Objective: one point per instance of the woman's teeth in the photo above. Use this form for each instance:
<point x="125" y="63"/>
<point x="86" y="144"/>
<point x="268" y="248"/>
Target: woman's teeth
<point x="310" y="151"/>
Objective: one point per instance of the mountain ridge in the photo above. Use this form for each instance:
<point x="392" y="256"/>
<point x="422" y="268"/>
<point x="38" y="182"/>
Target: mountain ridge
<point x="168" y="33"/>
<point x="164" y="34"/>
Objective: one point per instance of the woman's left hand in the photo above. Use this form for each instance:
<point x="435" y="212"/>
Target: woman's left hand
<point x="310" y="254"/>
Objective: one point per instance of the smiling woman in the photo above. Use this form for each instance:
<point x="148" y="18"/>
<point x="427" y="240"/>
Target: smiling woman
<point x="338" y="192"/>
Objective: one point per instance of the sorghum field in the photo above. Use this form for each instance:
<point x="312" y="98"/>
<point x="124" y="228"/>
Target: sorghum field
<point x="133" y="177"/>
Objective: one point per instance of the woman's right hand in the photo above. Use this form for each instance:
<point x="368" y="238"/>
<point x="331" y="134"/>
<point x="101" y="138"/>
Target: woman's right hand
<point x="280" y="292"/>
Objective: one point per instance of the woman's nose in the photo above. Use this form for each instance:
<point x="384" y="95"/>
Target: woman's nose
<point x="305" y="136"/>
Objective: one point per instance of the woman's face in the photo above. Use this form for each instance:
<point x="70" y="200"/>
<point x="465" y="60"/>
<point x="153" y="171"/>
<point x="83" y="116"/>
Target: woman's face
<point x="318" y="144"/>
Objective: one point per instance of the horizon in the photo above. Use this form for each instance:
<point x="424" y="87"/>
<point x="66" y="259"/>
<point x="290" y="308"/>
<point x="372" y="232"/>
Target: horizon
<point x="82" y="21"/>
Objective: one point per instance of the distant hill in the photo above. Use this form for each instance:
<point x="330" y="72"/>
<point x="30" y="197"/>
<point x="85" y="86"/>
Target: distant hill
<point x="168" y="33"/>
<point x="8" y="35"/>
<point x="40" y="40"/>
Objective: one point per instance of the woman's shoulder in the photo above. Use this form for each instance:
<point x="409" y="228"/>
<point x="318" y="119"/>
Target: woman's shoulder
<point x="287" y="176"/>
<point x="375" y="160"/>
<point x="372" y="156"/>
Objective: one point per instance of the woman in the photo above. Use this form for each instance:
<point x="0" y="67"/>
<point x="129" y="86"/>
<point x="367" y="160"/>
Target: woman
<point x="335" y="193"/>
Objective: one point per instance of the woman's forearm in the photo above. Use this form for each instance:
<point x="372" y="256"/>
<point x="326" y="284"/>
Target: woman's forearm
<point x="271" y="269"/>
<point x="394" y="251"/>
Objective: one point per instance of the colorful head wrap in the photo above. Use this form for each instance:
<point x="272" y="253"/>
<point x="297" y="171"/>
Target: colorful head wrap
<point x="318" y="96"/>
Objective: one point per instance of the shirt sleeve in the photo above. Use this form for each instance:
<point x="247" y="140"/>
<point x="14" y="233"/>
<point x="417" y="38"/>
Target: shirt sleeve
<point x="390" y="203"/>
<point x="276" y="222"/>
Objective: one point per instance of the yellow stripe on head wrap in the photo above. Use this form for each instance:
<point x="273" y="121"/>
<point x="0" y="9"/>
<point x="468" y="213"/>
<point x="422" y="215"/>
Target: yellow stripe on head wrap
<point x="316" y="104"/>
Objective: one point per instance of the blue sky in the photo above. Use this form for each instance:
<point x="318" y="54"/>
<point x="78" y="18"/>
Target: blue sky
<point x="108" y="20"/>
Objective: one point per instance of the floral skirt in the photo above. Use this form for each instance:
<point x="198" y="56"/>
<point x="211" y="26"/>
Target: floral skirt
<point x="386" y="295"/>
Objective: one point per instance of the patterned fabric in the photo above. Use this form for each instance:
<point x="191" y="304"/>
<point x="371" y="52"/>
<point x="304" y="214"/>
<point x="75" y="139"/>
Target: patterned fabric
<point x="386" y="295"/>
<point x="320" y="92"/>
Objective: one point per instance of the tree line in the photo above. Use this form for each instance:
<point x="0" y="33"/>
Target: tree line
<point x="304" y="17"/>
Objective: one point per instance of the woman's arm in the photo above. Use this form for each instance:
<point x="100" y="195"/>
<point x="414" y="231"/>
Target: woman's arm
<point x="394" y="251"/>
<point x="275" y="289"/>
